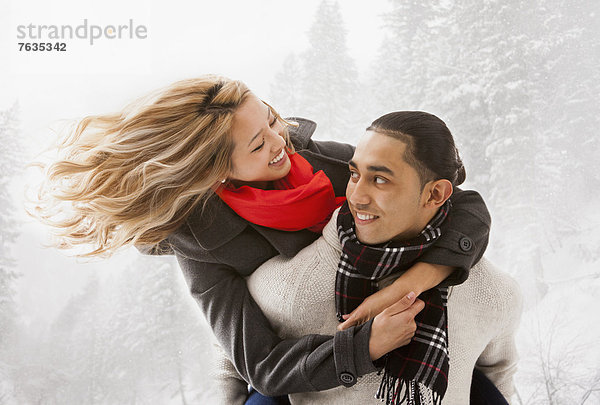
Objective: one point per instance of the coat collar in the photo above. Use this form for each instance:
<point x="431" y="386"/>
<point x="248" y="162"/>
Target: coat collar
<point x="301" y="134"/>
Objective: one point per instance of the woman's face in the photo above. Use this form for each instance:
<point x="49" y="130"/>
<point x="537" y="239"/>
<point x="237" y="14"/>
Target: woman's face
<point x="259" y="148"/>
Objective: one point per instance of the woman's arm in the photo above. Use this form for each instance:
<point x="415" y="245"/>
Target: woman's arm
<point x="232" y="389"/>
<point x="271" y="365"/>
<point x="464" y="238"/>
<point x="465" y="234"/>
<point x="419" y="278"/>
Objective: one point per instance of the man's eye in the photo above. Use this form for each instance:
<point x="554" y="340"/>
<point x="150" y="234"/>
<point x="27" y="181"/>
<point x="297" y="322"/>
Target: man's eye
<point x="380" y="180"/>
<point x="354" y="175"/>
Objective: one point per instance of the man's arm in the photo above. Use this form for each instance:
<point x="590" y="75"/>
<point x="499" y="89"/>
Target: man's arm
<point x="499" y="359"/>
<point x="227" y="384"/>
<point x="499" y="363"/>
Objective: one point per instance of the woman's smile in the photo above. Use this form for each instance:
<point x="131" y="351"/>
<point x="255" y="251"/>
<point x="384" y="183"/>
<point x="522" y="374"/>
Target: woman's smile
<point x="279" y="159"/>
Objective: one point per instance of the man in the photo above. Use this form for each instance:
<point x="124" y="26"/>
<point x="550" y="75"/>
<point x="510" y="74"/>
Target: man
<point x="403" y="173"/>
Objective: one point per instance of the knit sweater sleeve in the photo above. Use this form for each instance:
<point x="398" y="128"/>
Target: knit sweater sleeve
<point x="499" y="359"/>
<point x="226" y="383"/>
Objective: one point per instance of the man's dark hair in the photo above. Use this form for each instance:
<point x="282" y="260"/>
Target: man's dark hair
<point x="430" y="146"/>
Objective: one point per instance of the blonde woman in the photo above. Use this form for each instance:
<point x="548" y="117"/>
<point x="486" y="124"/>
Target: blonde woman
<point x="207" y="171"/>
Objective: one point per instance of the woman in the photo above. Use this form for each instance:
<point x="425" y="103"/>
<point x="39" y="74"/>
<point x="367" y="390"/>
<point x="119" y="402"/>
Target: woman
<point x="184" y="171"/>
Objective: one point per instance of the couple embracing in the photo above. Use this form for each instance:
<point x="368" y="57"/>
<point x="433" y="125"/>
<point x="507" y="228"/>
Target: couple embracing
<point x="328" y="273"/>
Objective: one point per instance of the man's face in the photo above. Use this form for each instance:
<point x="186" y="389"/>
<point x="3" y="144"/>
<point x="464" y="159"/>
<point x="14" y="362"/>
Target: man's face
<point x="384" y="192"/>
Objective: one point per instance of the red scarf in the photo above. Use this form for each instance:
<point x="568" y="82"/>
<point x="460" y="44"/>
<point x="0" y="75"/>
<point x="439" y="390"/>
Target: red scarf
<point x="301" y="200"/>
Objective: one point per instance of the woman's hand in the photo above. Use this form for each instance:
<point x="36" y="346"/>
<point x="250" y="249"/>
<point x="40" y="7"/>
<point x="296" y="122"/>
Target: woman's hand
<point x="371" y="307"/>
<point x="395" y="326"/>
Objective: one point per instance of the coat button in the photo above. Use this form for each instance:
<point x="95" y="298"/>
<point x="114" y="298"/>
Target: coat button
<point x="466" y="244"/>
<point x="347" y="378"/>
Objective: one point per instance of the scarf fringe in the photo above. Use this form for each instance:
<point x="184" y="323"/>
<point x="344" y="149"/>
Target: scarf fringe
<point x="397" y="391"/>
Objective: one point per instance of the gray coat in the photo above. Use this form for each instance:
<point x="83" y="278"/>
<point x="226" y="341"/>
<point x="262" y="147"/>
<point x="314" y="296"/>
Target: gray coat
<point x="216" y="248"/>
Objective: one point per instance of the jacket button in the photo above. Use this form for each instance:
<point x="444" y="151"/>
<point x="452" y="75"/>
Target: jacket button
<point x="347" y="378"/>
<point x="465" y="244"/>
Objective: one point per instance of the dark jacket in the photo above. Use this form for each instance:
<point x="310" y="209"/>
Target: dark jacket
<point x="216" y="248"/>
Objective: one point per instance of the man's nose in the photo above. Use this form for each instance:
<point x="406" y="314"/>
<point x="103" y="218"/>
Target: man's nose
<point x="358" y="194"/>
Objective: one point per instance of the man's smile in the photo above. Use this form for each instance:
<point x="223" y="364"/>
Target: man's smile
<point x="363" y="218"/>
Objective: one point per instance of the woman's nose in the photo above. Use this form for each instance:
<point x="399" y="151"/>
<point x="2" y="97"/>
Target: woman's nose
<point x="277" y="141"/>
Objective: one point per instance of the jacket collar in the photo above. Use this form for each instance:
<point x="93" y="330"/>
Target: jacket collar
<point x="301" y="134"/>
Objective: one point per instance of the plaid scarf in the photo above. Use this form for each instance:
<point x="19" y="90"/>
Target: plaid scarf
<point x="418" y="372"/>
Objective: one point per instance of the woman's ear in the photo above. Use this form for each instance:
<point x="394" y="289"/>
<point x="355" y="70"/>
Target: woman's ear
<point x="220" y="183"/>
<point x="439" y="192"/>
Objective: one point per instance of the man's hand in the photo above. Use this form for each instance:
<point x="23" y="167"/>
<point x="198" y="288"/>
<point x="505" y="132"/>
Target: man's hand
<point x="395" y="326"/>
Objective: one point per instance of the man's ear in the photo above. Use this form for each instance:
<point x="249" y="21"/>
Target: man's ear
<point x="438" y="192"/>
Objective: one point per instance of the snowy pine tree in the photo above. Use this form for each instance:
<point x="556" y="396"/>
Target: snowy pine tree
<point x="286" y="90"/>
<point x="134" y="337"/>
<point x="9" y="162"/>
<point x="566" y="54"/>
<point x="401" y="74"/>
<point x="425" y="63"/>
<point x="330" y="82"/>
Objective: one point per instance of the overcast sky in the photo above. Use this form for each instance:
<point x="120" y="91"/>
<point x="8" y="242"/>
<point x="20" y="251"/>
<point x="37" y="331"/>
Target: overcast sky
<point x="244" y="40"/>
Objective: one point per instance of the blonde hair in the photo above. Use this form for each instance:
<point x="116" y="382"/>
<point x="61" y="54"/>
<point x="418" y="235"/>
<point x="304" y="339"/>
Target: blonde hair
<point x="132" y="178"/>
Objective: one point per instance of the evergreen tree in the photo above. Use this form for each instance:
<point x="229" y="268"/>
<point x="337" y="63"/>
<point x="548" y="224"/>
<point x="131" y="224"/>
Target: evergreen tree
<point x="407" y="57"/>
<point x="426" y="63"/>
<point x="286" y="89"/>
<point x="322" y="83"/>
<point x="9" y="162"/>
<point x="484" y="68"/>
<point x="566" y="56"/>
<point x="132" y="338"/>
<point x="330" y="82"/>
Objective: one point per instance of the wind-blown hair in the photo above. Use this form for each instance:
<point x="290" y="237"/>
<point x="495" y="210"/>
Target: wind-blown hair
<point x="132" y="178"/>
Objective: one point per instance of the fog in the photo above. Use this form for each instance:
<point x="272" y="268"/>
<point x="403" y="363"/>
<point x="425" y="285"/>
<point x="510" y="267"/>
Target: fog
<point x="517" y="82"/>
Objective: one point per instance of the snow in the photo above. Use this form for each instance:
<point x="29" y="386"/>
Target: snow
<point x="517" y="83"/>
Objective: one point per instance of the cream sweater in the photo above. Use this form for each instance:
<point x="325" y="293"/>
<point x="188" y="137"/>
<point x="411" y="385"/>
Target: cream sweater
<point x="297" y="296"/>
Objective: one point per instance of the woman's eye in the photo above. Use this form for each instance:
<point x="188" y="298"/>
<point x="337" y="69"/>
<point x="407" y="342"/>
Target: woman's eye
<point x="259" y="147"/>
<point x="273" y="122"/>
